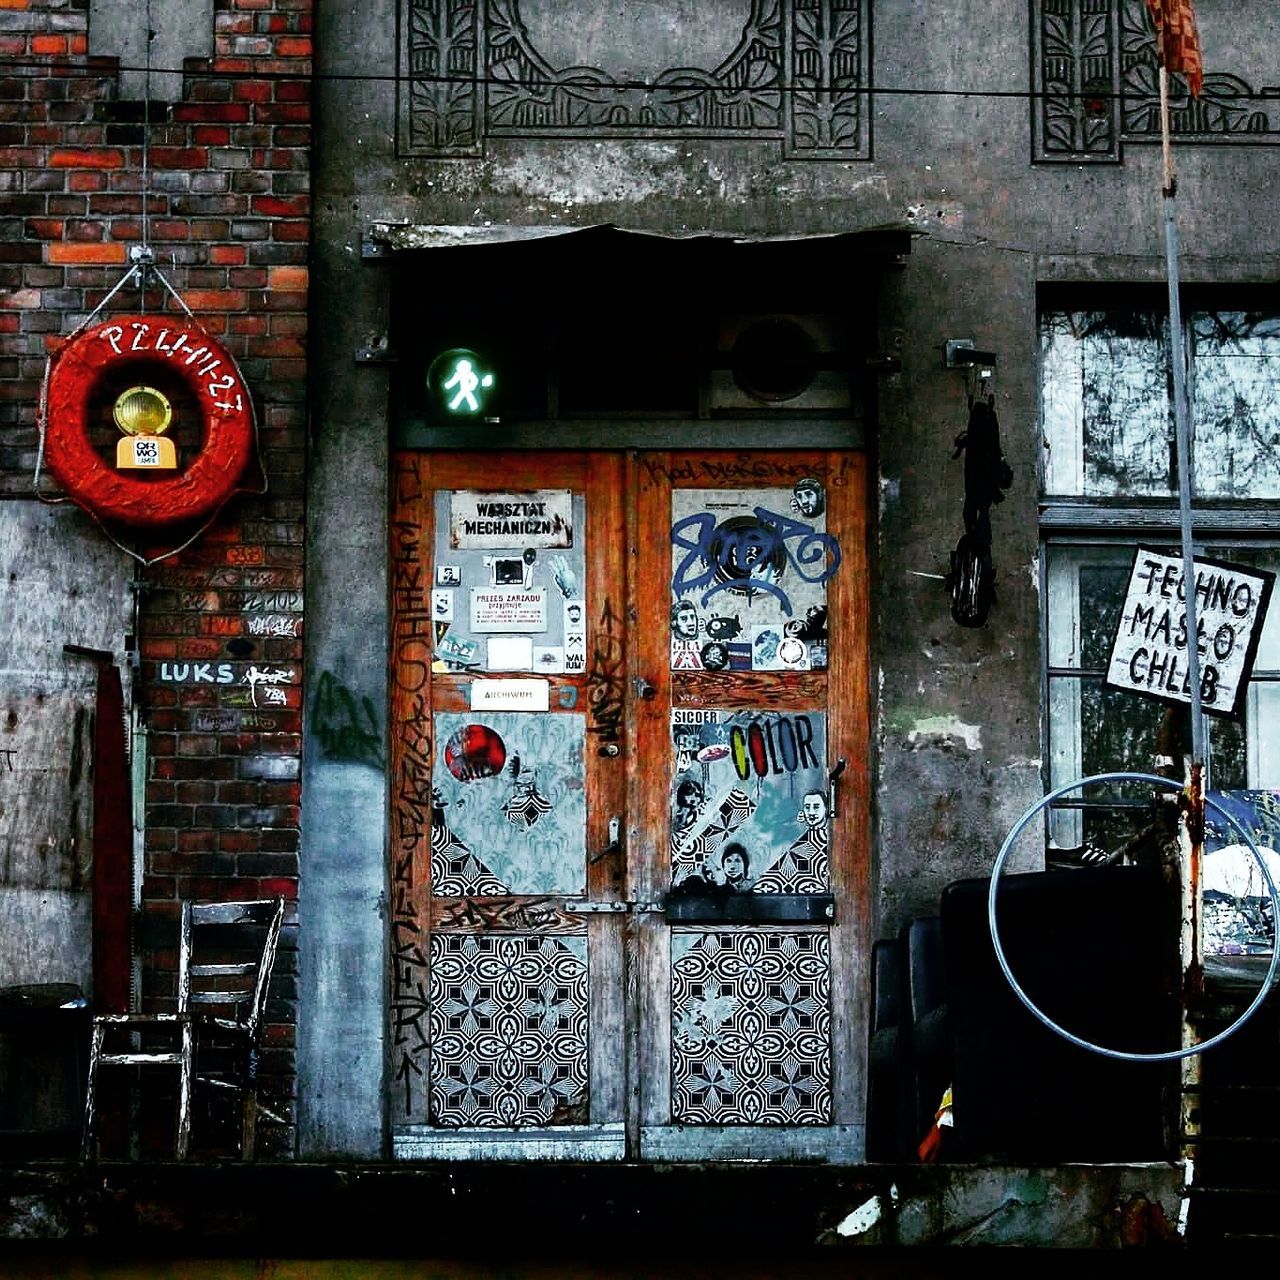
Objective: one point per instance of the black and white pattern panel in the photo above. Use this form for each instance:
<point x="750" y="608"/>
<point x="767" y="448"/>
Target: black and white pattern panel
<point x="751" y="1027"/>
<point x="508" y="1030"/>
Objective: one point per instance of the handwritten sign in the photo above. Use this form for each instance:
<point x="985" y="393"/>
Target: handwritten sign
<point x="1149" y="653"/>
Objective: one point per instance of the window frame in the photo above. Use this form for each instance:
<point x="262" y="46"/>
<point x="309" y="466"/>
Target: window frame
<point x="1222" y="527"/>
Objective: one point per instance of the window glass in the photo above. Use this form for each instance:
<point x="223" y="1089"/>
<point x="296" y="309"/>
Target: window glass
<point x="1236" y="364"/>
<point x="1094" y="729"/>
<point x="1107" y="420"/>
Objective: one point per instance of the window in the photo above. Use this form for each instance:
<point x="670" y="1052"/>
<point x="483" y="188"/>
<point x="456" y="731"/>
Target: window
<point x="1110" y="483"/>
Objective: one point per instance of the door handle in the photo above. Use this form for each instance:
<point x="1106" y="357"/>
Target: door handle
<point x="615" y="841"/>
<point x="833" y="779"/>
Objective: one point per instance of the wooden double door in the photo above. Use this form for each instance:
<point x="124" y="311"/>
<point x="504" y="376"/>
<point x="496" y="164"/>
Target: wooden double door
<point x="629" y="831"/>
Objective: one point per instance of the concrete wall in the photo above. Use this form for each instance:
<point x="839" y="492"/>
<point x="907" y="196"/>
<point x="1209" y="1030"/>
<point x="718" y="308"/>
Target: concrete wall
<point x="957" y="151"/>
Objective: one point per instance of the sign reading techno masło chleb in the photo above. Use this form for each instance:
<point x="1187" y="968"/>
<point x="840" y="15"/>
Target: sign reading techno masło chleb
<point x="1149" y="652"/>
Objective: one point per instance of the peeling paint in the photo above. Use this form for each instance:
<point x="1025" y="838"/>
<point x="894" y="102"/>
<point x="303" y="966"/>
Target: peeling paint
<point x="866" y="1215"/>
<point x="945" y="730"/>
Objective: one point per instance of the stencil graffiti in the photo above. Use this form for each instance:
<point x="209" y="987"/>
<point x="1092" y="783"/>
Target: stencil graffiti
<point x="743" y="781"/>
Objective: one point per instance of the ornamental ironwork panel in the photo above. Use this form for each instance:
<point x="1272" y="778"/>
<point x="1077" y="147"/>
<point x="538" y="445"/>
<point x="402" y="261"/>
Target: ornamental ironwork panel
<point x="751" y="1027"/>
<point x="1096" y="87"/>
<point x="793" y="70"/>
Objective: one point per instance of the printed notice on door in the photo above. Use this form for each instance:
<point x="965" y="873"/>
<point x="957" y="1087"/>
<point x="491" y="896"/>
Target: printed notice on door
<point x="508" y="609"/>
<point x="1150" y="655"/>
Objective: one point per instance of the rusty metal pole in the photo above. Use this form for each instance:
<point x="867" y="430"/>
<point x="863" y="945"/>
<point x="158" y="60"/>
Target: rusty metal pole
<point x="1192" y="834"/>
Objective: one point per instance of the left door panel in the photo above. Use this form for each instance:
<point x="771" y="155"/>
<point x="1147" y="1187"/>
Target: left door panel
<point x="506" y="781"/>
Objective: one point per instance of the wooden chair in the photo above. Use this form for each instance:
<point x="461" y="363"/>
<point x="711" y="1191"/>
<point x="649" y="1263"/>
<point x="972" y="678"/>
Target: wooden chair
<point x="226" y="953"/>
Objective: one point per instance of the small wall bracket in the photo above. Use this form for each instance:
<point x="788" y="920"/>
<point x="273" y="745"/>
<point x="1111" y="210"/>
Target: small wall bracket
<point x="962" y="354"/>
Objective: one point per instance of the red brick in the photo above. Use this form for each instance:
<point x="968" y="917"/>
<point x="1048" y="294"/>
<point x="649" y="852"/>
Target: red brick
<point x="179" y="158"/>
<point x="64" y="253"/>
<point x="217" y="300"/>
<point x="221" y="112"/>
<point x="288" y="278"/>
<point x="281" y="206"/>
<point x="44" y="228"/>
<point x="103" y="158"/>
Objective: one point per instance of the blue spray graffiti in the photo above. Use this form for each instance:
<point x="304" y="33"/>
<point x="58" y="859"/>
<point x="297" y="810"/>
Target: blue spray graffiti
<point x="749" y="554"/>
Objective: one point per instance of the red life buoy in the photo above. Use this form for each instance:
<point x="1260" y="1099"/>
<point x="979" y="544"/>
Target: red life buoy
<point x="148" y="350"/>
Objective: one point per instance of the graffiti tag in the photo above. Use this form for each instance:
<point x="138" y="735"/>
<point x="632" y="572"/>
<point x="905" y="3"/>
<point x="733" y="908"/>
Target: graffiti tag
<point x="606" y="680"/>
<point x="749" y="554"/>
<point x="345" y="728"/>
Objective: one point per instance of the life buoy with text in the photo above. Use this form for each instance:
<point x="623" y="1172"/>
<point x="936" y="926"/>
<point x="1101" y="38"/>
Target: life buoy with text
<point x="141" y="353"/>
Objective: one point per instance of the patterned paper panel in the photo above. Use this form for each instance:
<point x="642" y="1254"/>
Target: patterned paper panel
<point x="508" y="1030"/>
<point x="508" y="809"/>
<point x="748" y="578"/>
<point x="749" y="801"/>
<point x="751" y="1027"/>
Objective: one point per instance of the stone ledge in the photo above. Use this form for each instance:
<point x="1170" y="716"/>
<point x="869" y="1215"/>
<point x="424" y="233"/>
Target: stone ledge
<point x="628" y="1211"/>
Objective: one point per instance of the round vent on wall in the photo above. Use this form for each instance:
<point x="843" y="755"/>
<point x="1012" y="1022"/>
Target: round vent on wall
<point x="774" y="360"/>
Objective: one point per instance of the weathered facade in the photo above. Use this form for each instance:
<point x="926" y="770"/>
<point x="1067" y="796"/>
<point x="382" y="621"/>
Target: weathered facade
<point x="642" y="689"/>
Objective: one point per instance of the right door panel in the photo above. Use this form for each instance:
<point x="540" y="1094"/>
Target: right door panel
<point x="749" y="803"/>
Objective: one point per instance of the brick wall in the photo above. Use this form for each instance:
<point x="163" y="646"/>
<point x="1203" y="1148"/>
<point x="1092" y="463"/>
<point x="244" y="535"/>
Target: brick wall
<point x="228" y="206"/>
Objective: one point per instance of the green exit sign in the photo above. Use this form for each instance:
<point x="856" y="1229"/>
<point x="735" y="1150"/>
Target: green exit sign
<point x="460" y="383"/>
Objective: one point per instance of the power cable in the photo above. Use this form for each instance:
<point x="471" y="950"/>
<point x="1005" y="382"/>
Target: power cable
<point x="1264" y="94"/>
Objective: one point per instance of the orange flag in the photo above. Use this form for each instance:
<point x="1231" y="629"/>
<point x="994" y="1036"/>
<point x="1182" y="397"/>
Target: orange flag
<point x="1178" y="40"/>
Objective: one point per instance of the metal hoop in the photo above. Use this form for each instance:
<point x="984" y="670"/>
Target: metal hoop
<point x="1173" y="1054"/>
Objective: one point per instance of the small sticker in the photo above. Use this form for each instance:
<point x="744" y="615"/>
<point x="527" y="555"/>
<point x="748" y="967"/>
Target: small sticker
<point x="575" y="663"/>
<point x="510" y="695"/>
<point x="462" y="653"/>
<point x="793" y="654"/>
<point x="765" y="640"/>
<point x="548" y="658"/>
<point x="685" y="656"/>
<point x="448" y="575"/>
<point x="510" y="653"/>
<point x="575" y="634"/>
<point x="809" y="498"/>
<point x="442" y="604"/>
<point x="508" y="571"/>
<point x="715" y="656"/>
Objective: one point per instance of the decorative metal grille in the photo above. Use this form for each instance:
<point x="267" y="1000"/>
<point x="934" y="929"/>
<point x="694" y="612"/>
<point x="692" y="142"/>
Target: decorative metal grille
<point x="751" y="1027"/>
<point x="798" y="71"/>
<point x="1096" y="83"/>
